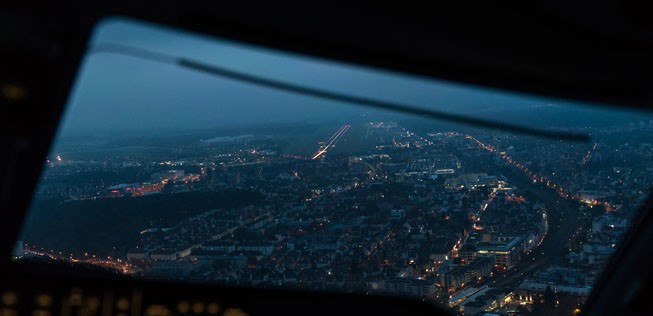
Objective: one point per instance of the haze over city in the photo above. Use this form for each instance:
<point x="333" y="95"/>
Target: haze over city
<point x="162" y="172"/>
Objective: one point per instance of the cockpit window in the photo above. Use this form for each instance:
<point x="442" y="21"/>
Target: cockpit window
<point x="189" y="158"/>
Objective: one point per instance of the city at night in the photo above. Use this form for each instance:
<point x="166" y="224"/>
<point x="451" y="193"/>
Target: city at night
<point x="170" y="174"/>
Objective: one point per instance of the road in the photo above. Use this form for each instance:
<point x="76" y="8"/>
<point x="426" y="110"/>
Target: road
<point x="564" y="222"/>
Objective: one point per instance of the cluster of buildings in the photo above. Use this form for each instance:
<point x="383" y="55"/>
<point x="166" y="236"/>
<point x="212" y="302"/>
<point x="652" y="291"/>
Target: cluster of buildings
<point x="388" y="222"/>
<point x="431" y="217"/>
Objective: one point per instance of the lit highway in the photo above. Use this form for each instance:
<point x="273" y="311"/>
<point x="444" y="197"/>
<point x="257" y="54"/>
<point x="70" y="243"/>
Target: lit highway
<point x="542" y="179"/>
<point x="563" y="220"/>
<point x="116" y="264"/>
<point x="563" y="224"/>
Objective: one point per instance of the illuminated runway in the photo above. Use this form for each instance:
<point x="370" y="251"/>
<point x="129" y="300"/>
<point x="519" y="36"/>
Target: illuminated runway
<point x="331" y="141"/>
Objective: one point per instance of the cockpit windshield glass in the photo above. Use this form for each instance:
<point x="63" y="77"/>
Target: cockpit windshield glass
<point x="192" y="158"/>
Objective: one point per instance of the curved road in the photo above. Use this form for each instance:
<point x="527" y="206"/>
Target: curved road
<point x="564" y="221"/>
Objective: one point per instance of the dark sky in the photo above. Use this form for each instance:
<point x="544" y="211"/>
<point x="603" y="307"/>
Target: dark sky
<point x="117" y="93"/>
